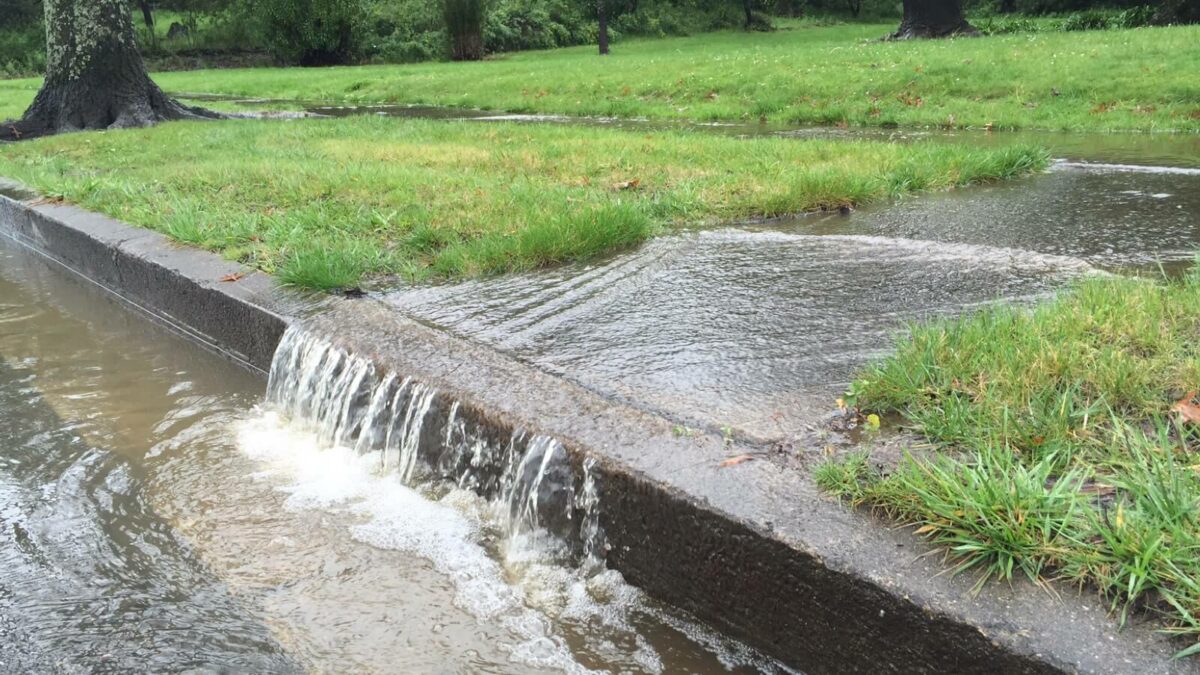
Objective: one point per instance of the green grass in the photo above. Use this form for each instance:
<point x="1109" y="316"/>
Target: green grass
<point x="1059" y="452"/>
<point x="1141" y="79"/>
<point x="325" y="203"/>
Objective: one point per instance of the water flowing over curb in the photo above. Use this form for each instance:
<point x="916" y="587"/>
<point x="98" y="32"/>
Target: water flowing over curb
<point x="754" y="550"/>
<point x="348" y="403"/>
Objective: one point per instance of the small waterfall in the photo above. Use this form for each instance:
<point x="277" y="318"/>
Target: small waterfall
<point x="423" y="437"/>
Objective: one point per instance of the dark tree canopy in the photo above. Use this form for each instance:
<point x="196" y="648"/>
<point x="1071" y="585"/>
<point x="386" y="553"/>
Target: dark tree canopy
<point x="933" y="19"/>
<point x="95" y="78"/>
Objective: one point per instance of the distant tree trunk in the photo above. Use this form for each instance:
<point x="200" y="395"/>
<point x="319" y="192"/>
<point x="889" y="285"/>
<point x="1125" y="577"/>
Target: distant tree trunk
<point x="95" y="78"/>
<point x="932" y="19"/>
<point x="1177" y="11"/>
<point x="748" y="7"/>
<point x="147" y="15"/>
<point x="602" y="16"/>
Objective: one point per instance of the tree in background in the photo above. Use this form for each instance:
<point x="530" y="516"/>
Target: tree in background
<point x="932" y="19"/>
<point x="464" y="25"/>
<point x="602" y="26"/>
<point x="1178" y="11"/>
<point x="95" y="78"/>
<point x="147" y="15"/>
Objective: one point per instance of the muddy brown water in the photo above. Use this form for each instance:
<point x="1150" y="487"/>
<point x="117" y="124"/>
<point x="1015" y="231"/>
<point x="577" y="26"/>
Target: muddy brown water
<point x="155" y="516"/>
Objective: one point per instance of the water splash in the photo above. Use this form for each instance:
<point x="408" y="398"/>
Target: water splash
<point x="422" y="437"/>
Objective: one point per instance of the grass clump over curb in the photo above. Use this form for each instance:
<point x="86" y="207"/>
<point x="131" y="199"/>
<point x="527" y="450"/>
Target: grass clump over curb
<point x="1066" y="444"/>
<point x="325" y="203"/>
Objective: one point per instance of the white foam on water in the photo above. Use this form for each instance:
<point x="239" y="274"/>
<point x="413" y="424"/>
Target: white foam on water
<point x="451" y="532"/>
<point x="1125" y="168"/>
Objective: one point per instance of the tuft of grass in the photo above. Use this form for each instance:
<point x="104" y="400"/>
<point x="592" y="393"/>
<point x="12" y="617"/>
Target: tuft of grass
<point x="327" y="203"/>
<point x="1061" y="454"/>
<point x="1138" y="79"/>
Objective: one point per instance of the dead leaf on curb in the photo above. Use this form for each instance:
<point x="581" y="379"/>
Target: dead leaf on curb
<point x="734" y="461"/>
<point x="1190" y="412"/>
<point x="233" y="277"/>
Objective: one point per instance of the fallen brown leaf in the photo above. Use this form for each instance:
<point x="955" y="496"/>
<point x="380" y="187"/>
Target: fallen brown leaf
<point x="733" y="461"/>
<point x="1190" y="412"/>
<point x="631" y="184"/>
<point x="233" y="277"/>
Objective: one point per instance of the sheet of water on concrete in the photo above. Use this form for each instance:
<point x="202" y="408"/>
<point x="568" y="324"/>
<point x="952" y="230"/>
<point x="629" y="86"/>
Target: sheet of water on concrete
<point x="760" y="327"/>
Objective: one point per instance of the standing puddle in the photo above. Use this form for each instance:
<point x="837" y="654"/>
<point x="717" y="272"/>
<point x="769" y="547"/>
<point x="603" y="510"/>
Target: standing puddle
<point x="155" y="518"/>
<point x="1130" y="149"/>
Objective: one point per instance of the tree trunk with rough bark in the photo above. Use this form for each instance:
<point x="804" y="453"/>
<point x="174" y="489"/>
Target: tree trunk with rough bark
<point x="95" y="78"/>
<point x="932" y="19"/>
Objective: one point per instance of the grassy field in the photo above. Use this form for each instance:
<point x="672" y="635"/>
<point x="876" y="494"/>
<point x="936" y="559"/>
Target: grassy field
<point x="1142" y="79"/>
<point x="1067" y="442"/>
<point x="325" y="203"/>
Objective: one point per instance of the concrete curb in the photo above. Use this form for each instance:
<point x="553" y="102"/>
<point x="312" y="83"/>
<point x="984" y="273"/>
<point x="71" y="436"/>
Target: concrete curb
<point x="754" y="549"/>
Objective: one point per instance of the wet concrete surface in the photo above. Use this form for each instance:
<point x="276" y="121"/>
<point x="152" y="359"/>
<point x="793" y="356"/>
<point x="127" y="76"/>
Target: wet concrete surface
<point x="759" y="328"/>
<point x="750" y="330"/>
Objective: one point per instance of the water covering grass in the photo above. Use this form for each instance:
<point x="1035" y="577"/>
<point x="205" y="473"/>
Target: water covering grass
<point x="1067" y="442"/>
<point x="1140" y="79"/>
<point x="324" y="203"/>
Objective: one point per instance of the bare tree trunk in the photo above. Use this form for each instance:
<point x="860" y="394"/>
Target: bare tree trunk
<point x="95" y="78"/>
<point x="748" y="8"/>
<point x="602" y="16"/>
<point x="147" y="15"/>
<point x="932" y="19"/>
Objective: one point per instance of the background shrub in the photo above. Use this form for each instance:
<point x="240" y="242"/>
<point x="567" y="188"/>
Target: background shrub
<point x="310" y="32"/>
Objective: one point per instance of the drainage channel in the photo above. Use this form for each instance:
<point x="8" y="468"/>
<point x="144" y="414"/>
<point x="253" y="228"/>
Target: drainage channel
<point x="160" y="514"/>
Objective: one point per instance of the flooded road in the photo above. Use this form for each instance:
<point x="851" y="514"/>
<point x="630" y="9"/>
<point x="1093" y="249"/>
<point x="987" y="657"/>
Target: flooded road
<point x="156" y="517"/>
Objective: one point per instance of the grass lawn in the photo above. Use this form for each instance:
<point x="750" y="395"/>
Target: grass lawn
<point x="327" y="203"/>
<point x="1142" y="79"/>
<point x="1066" y="442"/>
